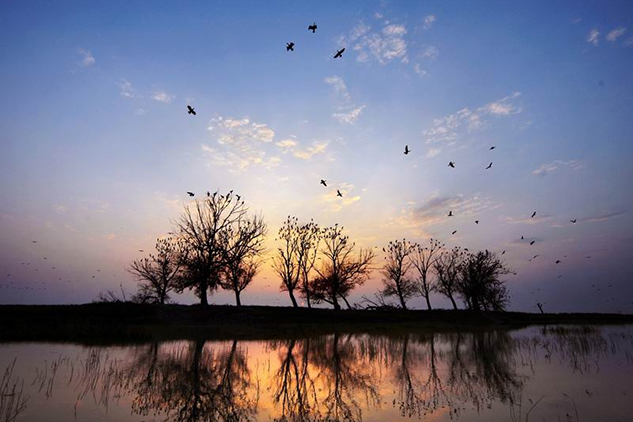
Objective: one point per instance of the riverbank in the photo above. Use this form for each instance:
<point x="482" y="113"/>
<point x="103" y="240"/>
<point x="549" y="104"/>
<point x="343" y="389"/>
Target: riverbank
<point x="111" y="322"/>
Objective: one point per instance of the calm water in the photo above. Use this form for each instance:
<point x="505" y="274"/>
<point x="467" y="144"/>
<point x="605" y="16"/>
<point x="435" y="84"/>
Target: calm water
<point x="551" y="374"/>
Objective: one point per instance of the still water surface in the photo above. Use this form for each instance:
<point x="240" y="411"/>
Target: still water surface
<point x="550" y="373"/>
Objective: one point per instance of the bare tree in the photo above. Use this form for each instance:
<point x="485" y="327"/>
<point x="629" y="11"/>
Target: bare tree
<point x="447" y="266"/>
<point x="479" y="285"/>
<point x="396" y="269"/>
<point x="340" y="270"/>
<point x="242" y="244"/>
<point x="296" y="256"/>
<point x="158" y="273"/>
<point x="423" y="260"/>
<point x="200" y="228"/>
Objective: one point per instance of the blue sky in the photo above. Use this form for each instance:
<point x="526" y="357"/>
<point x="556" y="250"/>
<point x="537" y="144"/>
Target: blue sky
<point x="97" y="150"/>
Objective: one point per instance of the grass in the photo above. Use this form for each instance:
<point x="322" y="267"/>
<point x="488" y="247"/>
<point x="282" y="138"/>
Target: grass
<point x="112" y="322"/>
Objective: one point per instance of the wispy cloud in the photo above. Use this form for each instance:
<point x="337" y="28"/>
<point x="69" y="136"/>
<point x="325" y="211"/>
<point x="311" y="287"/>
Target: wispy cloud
<point x="127" y="91"/>
<point x="537" y="219"/>
<point x="349" y="116"/>
<point x="241" y="143"/>
<point x="433" y="152"/>
<point x="162" y="96"/>
<point x="337" y="203"/>
<point x="292" y="146"/>
<point x="87" y="58"/>
<point x="545" y="169"/>
<point x="616" y="33"/>
<point x="428" y="21"/>
<point x="593" y="37"/>
<point x="339" y="86"/>
<point x="383" y="45"/>
<point x="602" y="217"/>
<point x="449" y="129"/>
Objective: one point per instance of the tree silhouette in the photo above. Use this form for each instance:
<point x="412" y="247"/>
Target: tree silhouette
<point x="340" y="270"/>
<point x="447" y="266"/>
<point x="158" y="274"/>
<point x="479" y="284"/>
<point x="397" y="282"/>
<point x="423" y="260"/>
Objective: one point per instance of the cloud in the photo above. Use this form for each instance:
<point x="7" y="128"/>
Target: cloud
<point x="431" y="53"/>
<point x="428" y="21"/>
<point x="601" y="217"/>
<point x="87" y="58"/>
<point x="592" y="38"/>
<point x="162" y="96"/>
<point x="127" y="91"/>
<point x="292" y="146"/>
<point x="545" y="169"/>
<point x="339" y="86"/>
<point x="241" y="143"/>
<point x="419" y="70"/>
<point x="616" y="33"/>
<point x="61" y="209"/>
<point x="538" y="218"/>
<point x="433" y="152"/>
<point x="337" y="203"/>
<point x="449" y="129"/>
<point x="384" y="45"/>
<point x="349" y="116"/>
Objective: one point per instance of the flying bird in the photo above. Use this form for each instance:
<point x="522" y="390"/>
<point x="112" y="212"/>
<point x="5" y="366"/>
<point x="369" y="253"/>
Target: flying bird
<point x="34" y="241"/>
<point x="558" y="261"/>
<point x="454" y="231"/>
<point x="573" y="221"/>
<point x="532" y="242"/>
<point x="324" y="183"/>
<point x="191" y="110"/>
<point x="290" y="46"/>
<point x="533" y="214"/>
<point x="406" y="150"/>
<point x="141" y="250"/>
<point x="476" y="221"/>
<point x="451" y="164"/>
<point x="492" y="147"/>
<point x="339" y="53"/>
<point x="190" y="193"/>
<point x="312" y="27"/>
<point x="503" y="253"/>
<point x="338" y="193"/>
<point x="450" y="213"/>
<point x="522" y="238"/>
<point x="489" y="166"/>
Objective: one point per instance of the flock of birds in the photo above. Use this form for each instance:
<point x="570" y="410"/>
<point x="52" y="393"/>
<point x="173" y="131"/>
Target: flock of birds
<point x="339" y="54"/>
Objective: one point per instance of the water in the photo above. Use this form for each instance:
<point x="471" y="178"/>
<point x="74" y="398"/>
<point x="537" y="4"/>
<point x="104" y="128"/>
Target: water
<point x="538" y="373"/>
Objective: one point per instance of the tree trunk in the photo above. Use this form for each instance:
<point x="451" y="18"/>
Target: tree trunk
<point x="453" y="301"/>
<point x="402" y="302"/>
<point x="292" y="298"/>
<point x="335" y="303"/>
<point x="203" y="294"/>
<point x="428" y="302"/>
<point x="238" y="302"/>
<point x="346" y="302"/>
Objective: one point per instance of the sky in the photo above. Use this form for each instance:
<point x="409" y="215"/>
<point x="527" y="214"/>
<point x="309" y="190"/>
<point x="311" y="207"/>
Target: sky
<point x="97" y="150"/>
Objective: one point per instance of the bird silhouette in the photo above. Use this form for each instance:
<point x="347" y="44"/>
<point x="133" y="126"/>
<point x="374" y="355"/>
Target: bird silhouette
<point x="290" y="46"/>
<point x="558" y="261"/>
<point x="454" y="231"/>
<point x="238" y="197"/>
<point x="492" y="147"/>
<point x="522" y="238"/>
<point x="533" y="214"/>
<point x="406" y="150"/>
<point x="191" y="110"/>
<point x="503" y="253"/>
<point x="141" y="250"/>
<point x="489" y="166"/>
<point x="34" y="241"/>
<point x="476" y="221"/>
<point x="312" y="27"/>
<point x="190" y="193"/>
<point x="339" y="53"/>
<point x="338" y="193"/>
<point x="559" y="276"/>
<point x="573" y="221"/>
<point x="324" y="183"/>
<point x="450" y="213"/>
<point x="451" y="164"/>
<point x="532" y="242"/>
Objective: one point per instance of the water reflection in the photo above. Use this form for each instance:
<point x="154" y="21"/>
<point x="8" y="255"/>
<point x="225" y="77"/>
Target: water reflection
<point x="336" y="377"/>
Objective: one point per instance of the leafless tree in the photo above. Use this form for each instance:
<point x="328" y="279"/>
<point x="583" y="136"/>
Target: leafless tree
<point x="201" y="229"/>
<point x="242" y="244"/>
<point x="479" y="284"/>
<point x="157" y="274"/>
<point x="447" y="266"/>
<point x="396" y="271"/>
<point x="341" y="270"/>
<point x="423" y="260"/>
<point x="309" y="240"/>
